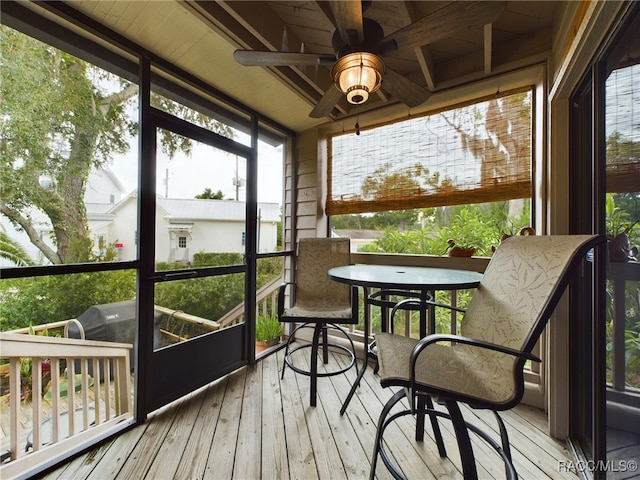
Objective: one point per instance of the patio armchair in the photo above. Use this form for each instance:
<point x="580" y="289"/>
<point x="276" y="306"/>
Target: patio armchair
<point x="483" y="366"/>
<point x="320" y="303"/>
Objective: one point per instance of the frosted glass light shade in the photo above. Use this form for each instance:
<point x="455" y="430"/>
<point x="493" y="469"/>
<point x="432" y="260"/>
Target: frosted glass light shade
<point x="358" y="75"/>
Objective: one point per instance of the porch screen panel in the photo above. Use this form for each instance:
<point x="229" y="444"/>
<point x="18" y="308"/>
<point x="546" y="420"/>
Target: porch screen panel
<point x="472" y="153"/>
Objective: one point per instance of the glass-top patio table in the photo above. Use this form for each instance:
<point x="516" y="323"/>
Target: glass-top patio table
<point x="419" y="283"/>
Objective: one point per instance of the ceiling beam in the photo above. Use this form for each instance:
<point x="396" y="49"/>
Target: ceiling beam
<point x="262" y="23"/>
<point x="488" y="44"/>
<point x="423" y="54"/>
<point x="254" y="26"/>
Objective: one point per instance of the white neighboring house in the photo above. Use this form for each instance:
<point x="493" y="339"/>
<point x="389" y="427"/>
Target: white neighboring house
<point x="183" y="226"/>
<point x="103" y="191"/>
<point x="188" y="226"/>
<point x="359" y="238"/>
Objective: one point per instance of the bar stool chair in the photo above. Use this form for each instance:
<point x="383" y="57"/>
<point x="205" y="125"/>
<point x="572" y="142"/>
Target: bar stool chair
<point x="319" y="303"/>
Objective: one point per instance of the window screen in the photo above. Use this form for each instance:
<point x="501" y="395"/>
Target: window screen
<point x="472" y="153"/>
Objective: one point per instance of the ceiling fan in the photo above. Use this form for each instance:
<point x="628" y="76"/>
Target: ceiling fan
<point x="359" y="44"/>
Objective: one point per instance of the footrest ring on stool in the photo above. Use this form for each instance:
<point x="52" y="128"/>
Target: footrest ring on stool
<point x="288" y="361"/>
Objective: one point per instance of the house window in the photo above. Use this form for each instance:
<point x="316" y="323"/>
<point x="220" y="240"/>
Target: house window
<point x="182" y="241"/>
<point x="244" y="238"/>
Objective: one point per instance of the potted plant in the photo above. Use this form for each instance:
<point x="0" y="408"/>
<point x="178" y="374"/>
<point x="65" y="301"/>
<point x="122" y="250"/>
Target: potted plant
<point x="464" y="235"/>
<point x="619" y="226"/>
<point x="504" y="235"/>
<point x="268" y="332"/>
<point x="457" y="248"/>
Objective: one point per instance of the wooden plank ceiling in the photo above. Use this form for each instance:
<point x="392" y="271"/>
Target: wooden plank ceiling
<point x="201" y="36"/>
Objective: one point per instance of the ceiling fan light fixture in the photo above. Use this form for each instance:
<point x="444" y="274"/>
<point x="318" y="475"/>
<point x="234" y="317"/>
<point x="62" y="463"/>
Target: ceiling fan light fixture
<point x="358" y="75"/>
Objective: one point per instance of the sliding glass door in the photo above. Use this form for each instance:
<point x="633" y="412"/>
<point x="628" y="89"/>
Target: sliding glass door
<point x="605" y="398"/>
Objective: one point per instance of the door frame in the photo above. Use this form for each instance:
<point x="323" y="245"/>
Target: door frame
<point x="169" y="373"/>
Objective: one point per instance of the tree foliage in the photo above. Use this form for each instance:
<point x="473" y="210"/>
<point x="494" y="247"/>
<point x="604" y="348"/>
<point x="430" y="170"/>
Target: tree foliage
<point x="59" y="118"/>
<point x="55" y="125"/>
<point x="13" y="252"/>
<point x="469" y="225"/>
<point x="208" y="194"/>
<point x="40" y="300"/>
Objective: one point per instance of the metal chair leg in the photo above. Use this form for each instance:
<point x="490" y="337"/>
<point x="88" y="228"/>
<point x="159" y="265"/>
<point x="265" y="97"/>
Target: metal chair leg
<point x="461" y="430"/>
<point x="314" y="363"/>
<point x="437" y="434"/>
<point x="325" y="344"/>
<point x="469" y="470"/>
<point x="292" y="335"/>
<point x="504" y="439"/>
<point x="382" y="421"/>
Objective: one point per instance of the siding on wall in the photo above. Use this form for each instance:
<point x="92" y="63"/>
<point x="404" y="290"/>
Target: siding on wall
<point x="306" y="185"/>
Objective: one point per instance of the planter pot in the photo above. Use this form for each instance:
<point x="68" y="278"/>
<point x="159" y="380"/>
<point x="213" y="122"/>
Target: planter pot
<point x="262" y="346"/>
<point x="523" y="231"/>
<point x="462" y="252"/>
<point x="620" y="249"/>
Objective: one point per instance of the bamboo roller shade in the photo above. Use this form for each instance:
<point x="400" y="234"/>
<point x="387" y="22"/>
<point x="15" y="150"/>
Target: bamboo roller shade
<point x="472" y="153"/>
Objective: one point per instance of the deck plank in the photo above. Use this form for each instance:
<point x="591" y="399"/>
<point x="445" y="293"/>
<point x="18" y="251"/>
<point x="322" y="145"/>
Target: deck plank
<point x="177" y="438"/>
<point x="193" y="462"/>
<point x="223" y="446"/>
<point x="274" y="457"/>
<point x="247" y="462"/>
<point x="354" y="456"/>
<point x="145" y="451"/>
<point x="252" y="424"/>
<point x="302" y="464"/>
<point x="325" y="450"/>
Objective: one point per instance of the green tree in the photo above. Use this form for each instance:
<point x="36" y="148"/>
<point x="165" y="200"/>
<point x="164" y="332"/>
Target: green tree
<point x="55" y="125"/>
<point x="208" y="194"/>
<point x="13" y="252"/>
<point x="498" y="133"/>
<point x="39" y="300"/>
<point x="59" y="117"/>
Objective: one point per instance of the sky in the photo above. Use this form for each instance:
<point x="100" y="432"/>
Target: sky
<point x="207" y="167"/>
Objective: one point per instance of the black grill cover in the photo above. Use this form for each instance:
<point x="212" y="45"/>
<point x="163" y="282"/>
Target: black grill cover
<point x="114" y="322"/>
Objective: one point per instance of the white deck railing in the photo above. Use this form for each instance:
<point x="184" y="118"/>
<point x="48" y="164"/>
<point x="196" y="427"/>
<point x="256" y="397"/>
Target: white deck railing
<point x="99" y="394"/>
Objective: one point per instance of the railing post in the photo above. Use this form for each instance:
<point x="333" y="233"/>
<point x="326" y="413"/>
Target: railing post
<point x="14" y="405"/>
<point x="618" y="350"/>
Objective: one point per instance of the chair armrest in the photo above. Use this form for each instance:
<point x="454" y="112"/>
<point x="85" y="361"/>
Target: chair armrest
<point x="444" y="337"/>
<point x="281" y="293"/>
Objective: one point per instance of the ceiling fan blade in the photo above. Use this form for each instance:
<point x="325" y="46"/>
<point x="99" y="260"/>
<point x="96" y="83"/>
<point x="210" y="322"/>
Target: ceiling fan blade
<point x="329" y="100"/>
<point x="348" y="16"/>
<point x="407" y="91"/>
<point x="274" y="59"/>
<point x="455" y="17"/>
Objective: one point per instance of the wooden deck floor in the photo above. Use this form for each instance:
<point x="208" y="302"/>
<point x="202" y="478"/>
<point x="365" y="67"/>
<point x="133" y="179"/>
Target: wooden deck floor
<point x="253" y="425"/>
